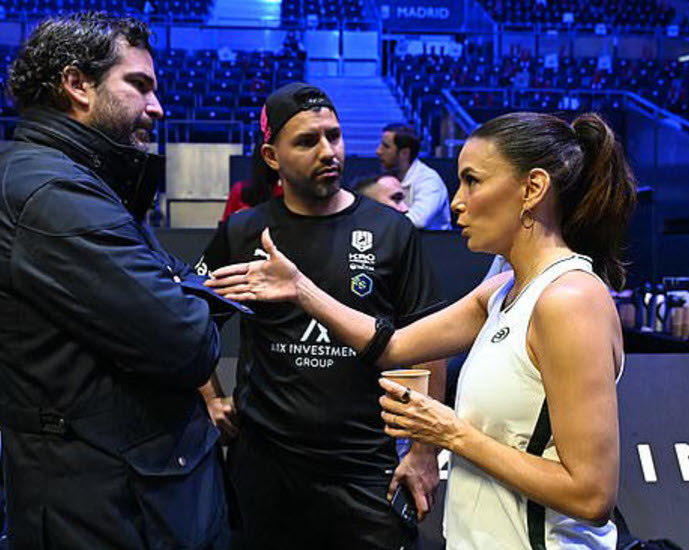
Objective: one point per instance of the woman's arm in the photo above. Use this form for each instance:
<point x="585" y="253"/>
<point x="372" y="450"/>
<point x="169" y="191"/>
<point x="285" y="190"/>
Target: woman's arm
<point x="575" y="340"/>
<point x="437" y="336"/>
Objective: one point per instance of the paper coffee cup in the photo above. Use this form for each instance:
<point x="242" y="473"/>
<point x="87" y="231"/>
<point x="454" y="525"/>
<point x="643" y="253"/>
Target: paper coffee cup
<point x="416" y="379"/>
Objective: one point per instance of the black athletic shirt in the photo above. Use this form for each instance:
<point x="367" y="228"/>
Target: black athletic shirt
<point x="299" y="389"/>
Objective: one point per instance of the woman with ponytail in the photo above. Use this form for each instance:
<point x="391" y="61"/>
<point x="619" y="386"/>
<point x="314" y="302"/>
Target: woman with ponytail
<point x="534" y="431"/>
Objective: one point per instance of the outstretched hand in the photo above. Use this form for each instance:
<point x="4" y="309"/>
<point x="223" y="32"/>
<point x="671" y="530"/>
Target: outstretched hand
<point x="271" y="280"/>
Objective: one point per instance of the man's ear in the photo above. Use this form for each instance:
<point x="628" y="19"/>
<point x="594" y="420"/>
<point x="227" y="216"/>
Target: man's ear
<point x="269" y="155"/>
<point x="536" y="187"/>
<point x="78" y="88"/>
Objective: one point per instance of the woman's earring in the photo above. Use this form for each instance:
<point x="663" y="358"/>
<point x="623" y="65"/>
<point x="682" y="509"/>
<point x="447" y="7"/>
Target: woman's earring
<point x="526" y="218"/>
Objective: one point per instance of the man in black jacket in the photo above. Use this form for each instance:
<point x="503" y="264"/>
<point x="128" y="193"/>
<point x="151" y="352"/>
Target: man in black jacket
<point x="103" y="340"/>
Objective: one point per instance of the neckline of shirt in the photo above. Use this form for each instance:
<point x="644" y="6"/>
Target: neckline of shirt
<point x="279" y="202"/>
<point x="505" y="308"/>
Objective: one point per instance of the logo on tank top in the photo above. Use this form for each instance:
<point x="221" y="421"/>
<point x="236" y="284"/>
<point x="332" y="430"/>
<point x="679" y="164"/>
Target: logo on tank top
<point x="362" y="240"/>
<point x="500" y="335"/>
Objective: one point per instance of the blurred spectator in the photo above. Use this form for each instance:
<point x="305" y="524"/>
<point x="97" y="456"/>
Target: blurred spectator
<point x="385" y="189"/>
<point x="263" y="185"/>
<point x="291" y="47"/>
<point x="148" y="8"/>
<point x="425" y="192"/>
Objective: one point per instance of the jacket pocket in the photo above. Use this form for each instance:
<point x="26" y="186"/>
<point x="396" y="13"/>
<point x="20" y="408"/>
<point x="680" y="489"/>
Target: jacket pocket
<point x="181" y="497"/>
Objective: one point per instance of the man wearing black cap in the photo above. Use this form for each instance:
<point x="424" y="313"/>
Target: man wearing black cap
<point x="312" y="464"/>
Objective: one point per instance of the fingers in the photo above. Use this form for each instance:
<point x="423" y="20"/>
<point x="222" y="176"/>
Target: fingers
<point x="223" y="415"/>
<point x="237" y="296"/>
<point x="391" y="405"/>
<point x="394" y="483"/>
<point x="394" y="420"/>
<point x="268" y="244"/>
<point x="393" y="388"/>
<point x="422" y="506"/>
<point x="237" y="288"/>
<point x="229" y="270"/>
<point x="397" y="433"/>
<point x="222" y="281"/>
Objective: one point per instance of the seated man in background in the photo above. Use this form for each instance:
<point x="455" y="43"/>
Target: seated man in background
<point x="385" y="189"/>
<point x="425" y="192"/>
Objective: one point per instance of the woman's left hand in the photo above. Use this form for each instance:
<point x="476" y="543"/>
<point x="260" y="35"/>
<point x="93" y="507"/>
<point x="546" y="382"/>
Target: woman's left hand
<point x="422" y="418"/>
<point x="272" y="280"/>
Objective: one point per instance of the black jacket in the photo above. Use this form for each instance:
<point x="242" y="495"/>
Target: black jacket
<point x="107" y="443"/>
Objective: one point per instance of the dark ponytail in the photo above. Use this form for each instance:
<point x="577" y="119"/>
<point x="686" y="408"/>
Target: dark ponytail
<point x="593" y="184"/>
<point x="595" y="223"/>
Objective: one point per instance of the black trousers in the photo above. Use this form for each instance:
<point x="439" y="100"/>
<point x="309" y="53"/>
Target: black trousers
<point x="284" y="508"/>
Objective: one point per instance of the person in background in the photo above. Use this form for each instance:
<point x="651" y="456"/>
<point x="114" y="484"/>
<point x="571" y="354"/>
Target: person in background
<point x="312" y="466"/>
<point x="383" y="188"/>
<point x="107" y="442"/>
<point x="534" y="433"/>
<point x="425" y="191"/>
<point x="263" y="185"/>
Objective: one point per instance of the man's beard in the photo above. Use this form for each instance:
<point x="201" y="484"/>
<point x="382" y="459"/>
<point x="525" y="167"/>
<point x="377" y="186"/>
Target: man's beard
<point x="108" y="118"/>
<point x="316" y="192"/>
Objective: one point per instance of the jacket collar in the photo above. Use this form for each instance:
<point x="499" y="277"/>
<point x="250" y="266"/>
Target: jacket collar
<point x="133" y="174"/>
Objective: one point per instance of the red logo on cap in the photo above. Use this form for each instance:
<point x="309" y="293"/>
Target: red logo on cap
<point x="264" y="125"/>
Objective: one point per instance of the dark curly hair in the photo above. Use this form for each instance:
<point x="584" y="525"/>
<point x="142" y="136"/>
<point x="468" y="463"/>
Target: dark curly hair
<point x="86" y="40"/>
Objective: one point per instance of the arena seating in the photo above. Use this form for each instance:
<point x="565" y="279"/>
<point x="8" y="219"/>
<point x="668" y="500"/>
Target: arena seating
<point x="205" y="98"/>
<point x="324" y="14"/>
<point x="534" y="83"/>
<point x="154" y="10"/>
<point x="230" y="100"/>
<point x="629" y="15"/>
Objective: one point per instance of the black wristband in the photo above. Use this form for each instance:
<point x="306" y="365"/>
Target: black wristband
<point x="376" y="345"/>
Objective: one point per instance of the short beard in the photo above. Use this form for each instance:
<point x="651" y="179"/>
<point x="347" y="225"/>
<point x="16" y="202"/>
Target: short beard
<point x="107" y="118"/>
<point x="316" y="192"/>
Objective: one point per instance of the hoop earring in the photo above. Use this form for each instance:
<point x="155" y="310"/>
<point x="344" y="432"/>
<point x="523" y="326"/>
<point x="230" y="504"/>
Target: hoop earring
<point x="526" y="218"/>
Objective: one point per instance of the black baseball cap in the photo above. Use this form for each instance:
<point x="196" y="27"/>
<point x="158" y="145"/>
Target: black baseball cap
<point x="290" y="100"/>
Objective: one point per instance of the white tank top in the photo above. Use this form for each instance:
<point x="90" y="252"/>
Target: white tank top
<point x="501" y="393"/>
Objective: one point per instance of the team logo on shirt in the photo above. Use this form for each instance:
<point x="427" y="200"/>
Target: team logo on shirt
<point x="362" y="260"/>
<point x="362" y="240"/>
<point x="362" y="285"/>
<point x="500" y="335"/>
